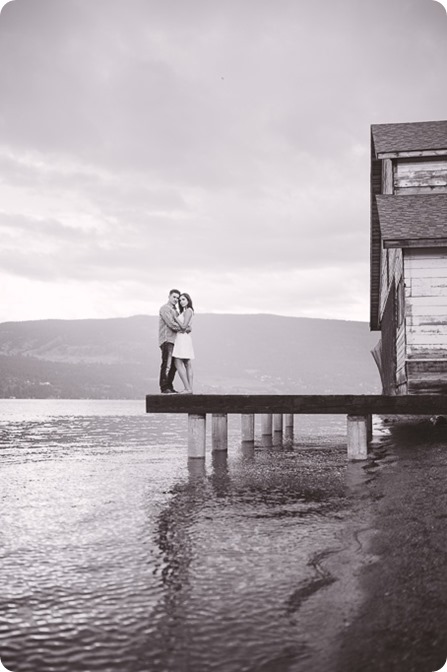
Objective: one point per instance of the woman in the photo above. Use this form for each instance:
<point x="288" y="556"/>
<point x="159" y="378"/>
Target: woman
<point x="183" y="351"/>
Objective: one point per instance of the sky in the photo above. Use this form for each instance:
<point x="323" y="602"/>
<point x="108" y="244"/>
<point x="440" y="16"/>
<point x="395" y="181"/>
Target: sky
<point x="217" y="147"/>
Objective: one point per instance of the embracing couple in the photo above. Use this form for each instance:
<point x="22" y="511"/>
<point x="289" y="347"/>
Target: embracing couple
<point x="174" y="338"/>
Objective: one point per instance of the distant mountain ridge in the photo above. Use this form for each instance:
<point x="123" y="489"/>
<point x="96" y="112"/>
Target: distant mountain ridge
<point x="119" y="357"/>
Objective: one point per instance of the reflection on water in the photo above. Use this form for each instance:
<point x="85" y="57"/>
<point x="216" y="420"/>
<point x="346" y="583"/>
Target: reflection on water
<point x="120" y="554"/>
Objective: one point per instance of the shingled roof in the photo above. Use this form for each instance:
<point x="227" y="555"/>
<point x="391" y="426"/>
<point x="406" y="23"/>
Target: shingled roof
<point x="413" y="218"/>
<point x="417" y="136"/>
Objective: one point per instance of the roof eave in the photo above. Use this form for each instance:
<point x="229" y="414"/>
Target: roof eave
<point x="404" y="154"/>
<point x="414" y="242"/>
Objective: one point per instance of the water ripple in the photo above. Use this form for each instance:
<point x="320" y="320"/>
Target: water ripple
<point x="116" y="554"/>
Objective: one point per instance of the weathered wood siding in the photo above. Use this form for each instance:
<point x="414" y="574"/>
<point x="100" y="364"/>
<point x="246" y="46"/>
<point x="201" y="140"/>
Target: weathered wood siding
<point x="384" y="283"/>
<point x="388" y="353"/>
<point x="387" y="176"/>
<point x="392" y="270"/>
<point x="387" y="260"/>
<point x="394" y="372"/>
<point x="420" y="177"/>
<point x="375" y="240"/>
<point x="401" y="360"/>
<point x="401" y="337"/>
<point x="427" y="376"/>
<point x="425" y="273"/>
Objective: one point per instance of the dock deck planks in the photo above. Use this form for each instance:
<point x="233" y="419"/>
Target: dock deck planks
<point x="349" y="404"/>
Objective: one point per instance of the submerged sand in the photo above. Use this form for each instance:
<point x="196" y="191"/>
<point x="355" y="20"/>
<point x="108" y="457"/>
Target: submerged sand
<point x="389" y="600"/>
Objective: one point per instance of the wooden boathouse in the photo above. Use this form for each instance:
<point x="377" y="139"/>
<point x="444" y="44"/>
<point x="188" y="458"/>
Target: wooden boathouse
<point x="409" y="255"/>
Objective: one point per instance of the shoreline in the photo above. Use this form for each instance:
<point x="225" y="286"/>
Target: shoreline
<point x="384" y="608"/>
<point x="401" y="623"/>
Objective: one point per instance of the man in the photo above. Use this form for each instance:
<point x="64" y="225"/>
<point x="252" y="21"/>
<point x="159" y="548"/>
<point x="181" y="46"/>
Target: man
<point x="167" y="331"/>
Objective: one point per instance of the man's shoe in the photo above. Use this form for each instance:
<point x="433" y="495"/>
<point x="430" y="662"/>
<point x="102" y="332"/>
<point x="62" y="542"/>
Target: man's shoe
<point x="172" y="391"/>
<point x="166" y="392"/>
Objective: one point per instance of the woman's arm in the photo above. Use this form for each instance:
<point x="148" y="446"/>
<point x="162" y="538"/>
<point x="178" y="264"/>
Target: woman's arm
<point x="187" y="318"/>
<point x="184" y="326"/>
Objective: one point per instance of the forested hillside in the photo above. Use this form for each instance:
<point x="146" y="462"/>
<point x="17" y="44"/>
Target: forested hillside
<point x="119" y="357"/>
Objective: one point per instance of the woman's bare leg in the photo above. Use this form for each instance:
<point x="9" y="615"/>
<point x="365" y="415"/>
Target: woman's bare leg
<point x="189" y="374"/>
<point x="181" y="370"/>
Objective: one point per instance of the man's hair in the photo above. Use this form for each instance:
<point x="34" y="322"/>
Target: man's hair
<point x="174" y="291"/>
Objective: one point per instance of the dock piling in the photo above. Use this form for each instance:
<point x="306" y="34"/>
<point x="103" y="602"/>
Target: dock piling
<point x="288" y="426"/>
<point x="219" y="431"/>
<point x="266" y="424"/>
<point x="358" y="408"/>
<point x="196" y="435"/>
<point x="277" y="422"/>
<point x="247" y="427"/>
<point x="276" y="439"/>
<point x="357" y="429"/>
<point x="369" y="427"/>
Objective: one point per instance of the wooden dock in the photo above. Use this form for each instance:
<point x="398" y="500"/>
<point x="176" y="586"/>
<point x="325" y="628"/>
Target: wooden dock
<point x="278" y="414"/>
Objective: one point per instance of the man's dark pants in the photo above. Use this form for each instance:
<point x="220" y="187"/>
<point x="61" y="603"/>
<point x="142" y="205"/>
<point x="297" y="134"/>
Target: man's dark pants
<point x="167" y="369"/>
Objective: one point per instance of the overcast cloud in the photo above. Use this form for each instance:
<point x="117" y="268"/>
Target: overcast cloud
<point x="218" y="147"/>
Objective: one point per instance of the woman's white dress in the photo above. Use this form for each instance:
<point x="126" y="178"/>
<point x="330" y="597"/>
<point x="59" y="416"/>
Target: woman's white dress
<point x="183" y="344"/>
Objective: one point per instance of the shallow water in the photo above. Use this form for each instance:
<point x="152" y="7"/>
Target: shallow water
<point x="118" y="554"/>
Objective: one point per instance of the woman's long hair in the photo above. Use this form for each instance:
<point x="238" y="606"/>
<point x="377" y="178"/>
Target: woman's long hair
<point x="189" y="300"/>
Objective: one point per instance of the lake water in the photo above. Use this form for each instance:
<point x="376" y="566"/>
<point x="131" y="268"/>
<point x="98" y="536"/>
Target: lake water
<point x="119" y="554"/>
